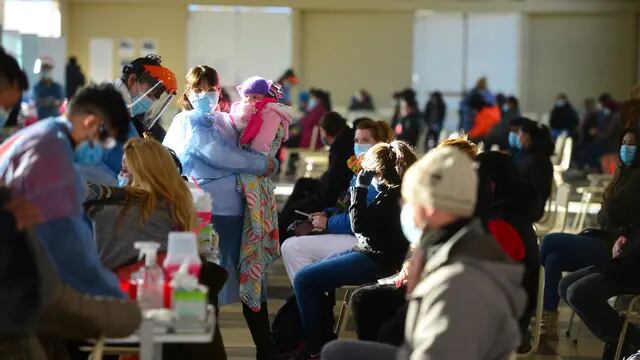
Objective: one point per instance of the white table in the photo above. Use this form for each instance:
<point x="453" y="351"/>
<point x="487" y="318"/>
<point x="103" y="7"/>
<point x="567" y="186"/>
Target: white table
<point x="150" y="337"/>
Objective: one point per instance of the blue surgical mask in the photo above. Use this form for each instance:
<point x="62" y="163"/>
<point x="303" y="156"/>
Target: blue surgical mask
<point x="204" y="102"/>
<point x="411" y="231"/>
<point x="313" y="102"/>
<point x="140" y="105"/>
<point x="628" y="154"/>
<point x="360" y="149"/>
<point x="514" y="140"/>
<point x="88" y="153"/>
<point x="123" y="180"/>
<point x="4" y="115"/>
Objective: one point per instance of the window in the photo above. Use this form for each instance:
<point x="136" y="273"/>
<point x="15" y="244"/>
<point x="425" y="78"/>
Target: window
<point x="38" y="17"/>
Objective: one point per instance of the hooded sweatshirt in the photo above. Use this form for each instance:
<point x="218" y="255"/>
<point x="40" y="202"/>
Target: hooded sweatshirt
<point x="468" y="302"/>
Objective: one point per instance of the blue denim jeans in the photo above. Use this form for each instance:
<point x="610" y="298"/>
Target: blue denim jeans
<point x="567" y="252"/>
<point x="314" y="287"/>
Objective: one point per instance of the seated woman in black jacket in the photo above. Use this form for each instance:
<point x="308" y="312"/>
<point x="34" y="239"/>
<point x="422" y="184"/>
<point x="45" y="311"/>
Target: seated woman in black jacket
<point x="381" y="244"/>
<point x="618" y="220"/>
<point x="533" y="160"/>
<point x="588" y="290"/>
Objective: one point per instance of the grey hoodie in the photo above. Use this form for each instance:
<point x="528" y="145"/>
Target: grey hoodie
<point x="468" y="302"/>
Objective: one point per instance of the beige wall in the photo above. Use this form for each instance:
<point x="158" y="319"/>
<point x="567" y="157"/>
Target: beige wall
<point x="340" y="51"/>
<point x="164" y="22"/>
<point x="344" y="45"/>
<point x="343" y="51"/>
<point x="582" y="55"/>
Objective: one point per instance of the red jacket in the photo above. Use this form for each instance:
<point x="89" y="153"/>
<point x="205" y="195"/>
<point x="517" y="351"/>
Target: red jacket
<point x="485" y="120"/>
<point x="508" y="238"/>
<point x="308" y="122"/>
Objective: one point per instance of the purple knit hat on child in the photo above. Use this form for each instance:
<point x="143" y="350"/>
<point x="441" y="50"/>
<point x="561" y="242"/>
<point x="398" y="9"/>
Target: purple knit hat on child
<point x="255" y="85"/>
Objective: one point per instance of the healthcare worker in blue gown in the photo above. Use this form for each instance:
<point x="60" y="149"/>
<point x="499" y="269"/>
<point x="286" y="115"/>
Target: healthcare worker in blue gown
<point x="144" y="84"/>
<point x="206" y="143"/>
<point x="37" y="164"/>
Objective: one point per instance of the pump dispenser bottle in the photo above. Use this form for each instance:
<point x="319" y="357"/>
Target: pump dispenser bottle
<point x="150" y="278"/>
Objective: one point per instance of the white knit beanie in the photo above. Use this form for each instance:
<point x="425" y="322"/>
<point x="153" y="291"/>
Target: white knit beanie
<point x="444" y="179"/>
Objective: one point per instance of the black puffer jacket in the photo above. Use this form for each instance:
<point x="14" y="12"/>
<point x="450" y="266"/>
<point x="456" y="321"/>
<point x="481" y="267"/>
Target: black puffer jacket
<point x="618" y="216"/>
<point x="377" y="227"/>
<point x="336" y="179"/>
<point x="407" y="128"/>
<point x="537" y="170"/>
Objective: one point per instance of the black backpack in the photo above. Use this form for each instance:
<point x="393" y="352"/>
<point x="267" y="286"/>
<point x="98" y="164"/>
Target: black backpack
<point x="286" y="329"/>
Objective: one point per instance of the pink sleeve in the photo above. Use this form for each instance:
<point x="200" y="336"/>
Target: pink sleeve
<point x="270" y="123"/>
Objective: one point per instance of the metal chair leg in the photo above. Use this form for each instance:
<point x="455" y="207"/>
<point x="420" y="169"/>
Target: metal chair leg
<point x="538" y="319"/>
<point x="623" y="334"/>
<point x="341" y="324"/>
<point x="571" y="318"/>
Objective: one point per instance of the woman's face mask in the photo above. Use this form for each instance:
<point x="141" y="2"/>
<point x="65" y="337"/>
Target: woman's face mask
<point x="313" y="102"/>
<point x="123" y="180"/>
<point x="361" y="149"/>
<point x="514" y="140"/>
<point x="411" y="231"/>
<point x="140" y="105"/>
<point x="628" y="154"/>
<point x="204" y="101"/>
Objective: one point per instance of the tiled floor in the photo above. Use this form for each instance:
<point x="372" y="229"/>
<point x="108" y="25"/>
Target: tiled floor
<point x="240" y="346"/>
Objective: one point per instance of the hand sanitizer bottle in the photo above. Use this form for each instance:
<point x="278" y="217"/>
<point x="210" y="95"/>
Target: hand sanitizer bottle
<point x="150" y="278"/>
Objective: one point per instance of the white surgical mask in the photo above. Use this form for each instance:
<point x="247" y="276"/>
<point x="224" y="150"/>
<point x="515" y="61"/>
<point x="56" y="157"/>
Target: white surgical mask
<point x="411" y="231"/>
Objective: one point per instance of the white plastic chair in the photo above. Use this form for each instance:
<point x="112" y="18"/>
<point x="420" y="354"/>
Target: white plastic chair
<point x="311" y="151"/>
<point x="558" y="149"/>
<point x="557" y="222"/>
<point x="567" y="152"/>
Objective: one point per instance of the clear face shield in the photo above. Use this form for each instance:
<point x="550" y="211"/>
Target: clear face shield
<point x="153" y="100"/>
<point x="151" y="103"/>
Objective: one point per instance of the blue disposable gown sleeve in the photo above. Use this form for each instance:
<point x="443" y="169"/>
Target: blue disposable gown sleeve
<point x="97" y="174"/>
<point x="340" y="223"/>
<point x="202" y="137"/>
<point x="70" y="244"/>
<point x="219" y="154"/>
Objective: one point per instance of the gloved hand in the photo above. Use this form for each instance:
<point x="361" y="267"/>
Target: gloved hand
<point x="364" y="178"/>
